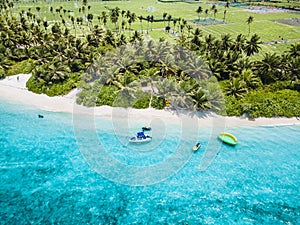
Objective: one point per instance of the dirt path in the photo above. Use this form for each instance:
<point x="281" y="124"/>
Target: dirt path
<point x="281" y="41"/>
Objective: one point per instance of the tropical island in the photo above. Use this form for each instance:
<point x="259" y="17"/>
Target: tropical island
<point x="230" y="58"/>
<point x="149" y="112"/>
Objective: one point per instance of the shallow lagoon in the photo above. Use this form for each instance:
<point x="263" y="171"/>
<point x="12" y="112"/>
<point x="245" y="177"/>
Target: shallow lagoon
<point x="46" y="179"/>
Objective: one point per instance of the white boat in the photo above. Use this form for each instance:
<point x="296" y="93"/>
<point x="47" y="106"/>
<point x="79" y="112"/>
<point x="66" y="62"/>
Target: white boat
<point x="140" y="138"/>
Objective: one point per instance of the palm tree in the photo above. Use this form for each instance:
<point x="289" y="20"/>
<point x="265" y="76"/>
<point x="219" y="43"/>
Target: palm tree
<point x="56" y="30"/>
<point x="183" y="25"/>
<point x="250" y="79"/>
<point x="52" y="72"/>
<point x="114" y="16"/>
<point x="136" y="37"/>
<point x="215" y="12"/>
<point x="58" y="71"/>
<point x="45" y="24"/>
<point x="128" y="14"/>
<point x="83" y="10"/>
<point x="149" y="76"/>
<point x="214" y="94"/>
<point x="210" y="42"/>
<point x="141" y="22"/>
<point x="293" y="69"/>
<point x="123" y="12"/>
<point x="104" y="18"/>
<point x="148" y="21"/>
<point x="239" y="44"/>
<point x="196" y="68"/>
<point x="169" y="19"/>
<point x="5" y="63"/>
<point x="164" y="18"/>
<point x="218" y="67"/>
<point x="123" y="23"/>
<point x="131" y="19"/>
<point x="109" y="38"/>
<point x="117" y="10"/>
<point x="127" y="87"/>
<point x="249" y="21"/>
<point x="206" y="13"/>
<point x="196" y="42"/>
<point x="73" y="23"/>
<point x="236" y="87"/>
<point x="90" y="20"/>
<point x="224" y="15"/>
<point x="151" y="21"/>
<point x="10" y="6"/>
<point x="243" y="63"/>
<point x="227" y="4"/>
<point x="189" y="28"/>
<point x="174" y="23"/>
<point x="182" y="100"/>
<point x="38" y="9"/>
<point x="269" y="68"/>
<point x="200" y="100"/>
<point x="294" y="50"/>
<point x="226" y="41"/>
<point x="63" y="22"/>
<point x="166" y="68"/>
<point x="252" y="46"/>
<point x="199" y="11"/>
<point x="167" y="88"/>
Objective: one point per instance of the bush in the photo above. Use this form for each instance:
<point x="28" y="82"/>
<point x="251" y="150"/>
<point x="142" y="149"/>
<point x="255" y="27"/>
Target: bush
<point x="2" y="73"/>
<point x="144" y="100"/>
<point x="34" y="86"/>
<point x="142" y="103"/>
<point x="25" y="66"/>
<point x="261" y="103"/>
<point x="124" y="100"/>
<point x="279" y="85"/>
<point x="39" y="87"/>
<point x="158" y="103"/>
<point x="107" y="95"/>
<point x="86" y="97"/>
<point x="233" y="107"/>
<point x="296" y="87"/>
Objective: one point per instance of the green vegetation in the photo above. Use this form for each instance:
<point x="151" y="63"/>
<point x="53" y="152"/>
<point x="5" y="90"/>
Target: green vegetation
<point x="25" y="66"/>
<point x="253" y="58"/>
<point x="261" y="103"/>
<point x="39" y="86"/>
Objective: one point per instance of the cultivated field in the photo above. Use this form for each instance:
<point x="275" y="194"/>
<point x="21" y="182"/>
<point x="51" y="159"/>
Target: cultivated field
<point x="277" y="27"/>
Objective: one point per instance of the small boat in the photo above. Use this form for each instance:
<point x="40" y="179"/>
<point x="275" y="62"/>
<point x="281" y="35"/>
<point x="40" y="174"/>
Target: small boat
<point x="140" y="138"/>
<point x="40" y="116"/>
<point x="228" y="138"/>
<point x="197" y="146"/>
<point x="146" y="128"/>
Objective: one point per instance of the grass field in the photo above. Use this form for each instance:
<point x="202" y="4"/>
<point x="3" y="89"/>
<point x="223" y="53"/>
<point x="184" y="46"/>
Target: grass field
<point x="266" y="25"/>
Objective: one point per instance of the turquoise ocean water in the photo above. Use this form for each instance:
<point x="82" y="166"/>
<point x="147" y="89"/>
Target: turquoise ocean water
<point x="47" y="179"/>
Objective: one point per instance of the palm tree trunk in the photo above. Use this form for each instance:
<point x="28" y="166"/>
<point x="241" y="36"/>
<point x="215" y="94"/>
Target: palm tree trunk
<point x="150" y="102"/>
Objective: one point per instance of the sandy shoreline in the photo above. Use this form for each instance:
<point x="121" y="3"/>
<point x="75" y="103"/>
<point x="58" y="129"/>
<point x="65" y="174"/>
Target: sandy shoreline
<point x="13" y="88"/>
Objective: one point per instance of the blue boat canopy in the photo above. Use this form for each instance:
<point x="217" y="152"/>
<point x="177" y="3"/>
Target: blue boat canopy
<point x="140" y="135"/>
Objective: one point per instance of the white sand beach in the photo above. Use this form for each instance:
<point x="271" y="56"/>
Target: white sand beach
<point x="14" y="89"/>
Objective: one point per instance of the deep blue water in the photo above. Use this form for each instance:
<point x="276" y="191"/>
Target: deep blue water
<point x="48" y="178"/>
